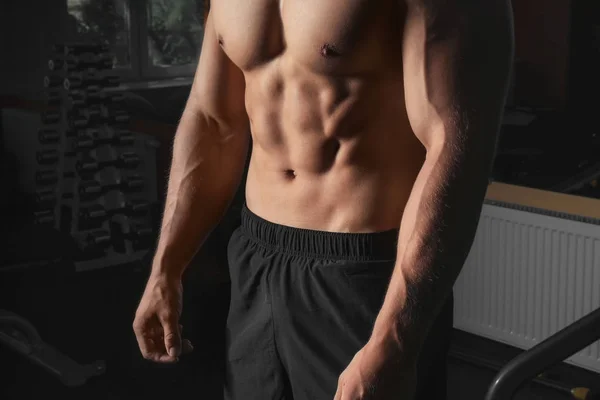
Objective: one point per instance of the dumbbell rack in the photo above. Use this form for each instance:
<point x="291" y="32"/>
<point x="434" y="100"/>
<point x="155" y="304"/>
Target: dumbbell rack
<point x="96" y="180"/>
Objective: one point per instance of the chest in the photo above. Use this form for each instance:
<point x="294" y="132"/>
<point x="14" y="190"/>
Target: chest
<point x="323" y="34"/>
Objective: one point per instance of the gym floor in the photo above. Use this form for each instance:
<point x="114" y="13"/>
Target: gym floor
<point x="469" y="382"/>
<point x="465" y="382"/>
<point x="88" y="317"/>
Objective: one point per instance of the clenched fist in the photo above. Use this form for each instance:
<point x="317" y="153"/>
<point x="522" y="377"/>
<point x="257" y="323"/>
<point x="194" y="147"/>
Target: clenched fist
<point x="156" y="323"/>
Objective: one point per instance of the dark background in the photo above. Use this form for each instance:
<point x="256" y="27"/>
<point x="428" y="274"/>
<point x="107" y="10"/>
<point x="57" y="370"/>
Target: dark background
<point x="88" y="315"/>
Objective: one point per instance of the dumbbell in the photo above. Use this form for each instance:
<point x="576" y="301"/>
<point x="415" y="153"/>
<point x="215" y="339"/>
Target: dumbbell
<point x="75" y="98"/>
<point x="46" y="177"/>
<point x="48" y="157"/>
<point x="96" y="110"/>
<point x="139" y="235"/>
<point x="90" y="82"/>
<point x="80" y="122"/>
<point x="77" y="49"/>
<point x="54" y="82"/>
<point x="51" y="117"/>
<point x="95" y="243"/>
<point x="87" y="82"/>
<point x="96" y="116"/>
<point x="45" y="197"/>
<point x="98" y="212"/>
<point x="78" y="82"/>
<point x="44" y="217"/>
<point x="105" y="98"/>
<point x="49" y="136"/>
<point x="93" y="189"/>
<point x="92" y="139"/>
<point x="54" y="97"/>
<point x="73" y="63"/>
<point x="125" y="161"/>
<point x="93" y="113"/>
<point x="79" y="98"/>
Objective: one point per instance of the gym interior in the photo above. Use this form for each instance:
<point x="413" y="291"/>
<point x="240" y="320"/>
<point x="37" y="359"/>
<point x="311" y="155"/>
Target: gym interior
<point x="83" y="192"/>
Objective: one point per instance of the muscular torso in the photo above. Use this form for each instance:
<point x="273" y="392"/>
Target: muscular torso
<point x="332" y="146"/>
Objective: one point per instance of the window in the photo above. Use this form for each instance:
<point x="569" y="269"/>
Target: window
<point x="150" y="39"/>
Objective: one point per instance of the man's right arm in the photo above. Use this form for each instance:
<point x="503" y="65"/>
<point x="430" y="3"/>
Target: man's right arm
<point x="209" y="155"/>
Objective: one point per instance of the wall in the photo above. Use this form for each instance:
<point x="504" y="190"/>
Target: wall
<point x="30" y="29"/>
<point x="542" y="32"/>
<point x="541" y="27"/>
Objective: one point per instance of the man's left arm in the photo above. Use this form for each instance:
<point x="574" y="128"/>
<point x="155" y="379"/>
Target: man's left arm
<point x="457" y="58"/>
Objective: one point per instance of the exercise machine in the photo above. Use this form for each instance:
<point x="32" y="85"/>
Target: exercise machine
<point x="21" y="336"/>
<point x="551" y="351"/>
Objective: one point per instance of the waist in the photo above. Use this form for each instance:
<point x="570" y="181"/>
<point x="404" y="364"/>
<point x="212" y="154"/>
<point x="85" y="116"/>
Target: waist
<point x="374" y="246"/>
<point x="339" y="201"/>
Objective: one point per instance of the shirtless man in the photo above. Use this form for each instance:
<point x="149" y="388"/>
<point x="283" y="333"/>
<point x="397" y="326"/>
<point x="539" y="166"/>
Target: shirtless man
<point x="374" y="126"/>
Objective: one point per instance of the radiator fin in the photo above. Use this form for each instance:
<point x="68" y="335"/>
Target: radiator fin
<point x="527" y="276"/>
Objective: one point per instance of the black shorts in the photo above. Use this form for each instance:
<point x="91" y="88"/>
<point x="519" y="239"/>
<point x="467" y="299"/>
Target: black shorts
<point x="303" y="302"/>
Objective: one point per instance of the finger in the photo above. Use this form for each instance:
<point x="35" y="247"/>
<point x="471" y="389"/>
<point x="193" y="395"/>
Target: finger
<point x="144" y="339"/>
<point x="172" y="335"/>
<point x="338" y="392"/>
<point x="145" y="346"/>
<point x="159" y="354"/>
<point x="153" y="350"/>
<point x="151" y="343"/>
<point x="165" y="358"/>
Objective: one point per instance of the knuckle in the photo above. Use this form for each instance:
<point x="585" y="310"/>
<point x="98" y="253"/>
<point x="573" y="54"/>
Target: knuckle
<point x="139" y="325"/>
<point x="169" y="316"/>
<point x="167" y="313"/>
<point x="170" y="336"/>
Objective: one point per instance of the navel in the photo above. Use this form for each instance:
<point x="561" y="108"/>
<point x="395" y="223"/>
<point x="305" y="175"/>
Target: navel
<point x="329" y="51"/>
<point x="220" y="38"/>
<point x="290" y="174"/>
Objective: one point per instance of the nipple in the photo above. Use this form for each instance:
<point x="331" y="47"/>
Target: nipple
<point x="328" y="50"/>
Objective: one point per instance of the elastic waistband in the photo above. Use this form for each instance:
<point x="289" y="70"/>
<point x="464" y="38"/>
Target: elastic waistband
<point x="377" y="246"/>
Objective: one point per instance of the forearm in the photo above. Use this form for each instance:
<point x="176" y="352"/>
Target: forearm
<point x="458" y="55"/>
<point x="208" y="163"/>
<point x="436" y="234"/>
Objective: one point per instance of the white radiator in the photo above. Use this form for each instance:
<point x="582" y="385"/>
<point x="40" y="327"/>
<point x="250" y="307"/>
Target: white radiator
<point x="527" y="276"/>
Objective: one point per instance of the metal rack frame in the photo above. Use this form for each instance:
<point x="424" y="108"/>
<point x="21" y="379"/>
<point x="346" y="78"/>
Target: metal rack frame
<point x="539" y="358"/>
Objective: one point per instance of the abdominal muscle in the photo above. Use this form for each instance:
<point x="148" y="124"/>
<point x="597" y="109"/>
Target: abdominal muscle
<point x="329" y="153"/>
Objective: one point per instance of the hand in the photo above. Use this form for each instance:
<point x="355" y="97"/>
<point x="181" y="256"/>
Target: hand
<point x="378" y="372"/>
<point x="156" y="323"/>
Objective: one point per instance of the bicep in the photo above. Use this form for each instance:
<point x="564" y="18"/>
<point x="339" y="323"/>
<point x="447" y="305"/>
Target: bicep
<point x="219" y="85"/>
<point x="457" y="56"/>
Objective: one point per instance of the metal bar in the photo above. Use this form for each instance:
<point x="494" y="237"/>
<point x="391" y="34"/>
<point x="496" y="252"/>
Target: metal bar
<point x="137" y="45"/>
<point x="21" y="336"/>
<point x="496" y="367"/>
<point x="579" y="180"/>
<point x="551" y="351"/>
